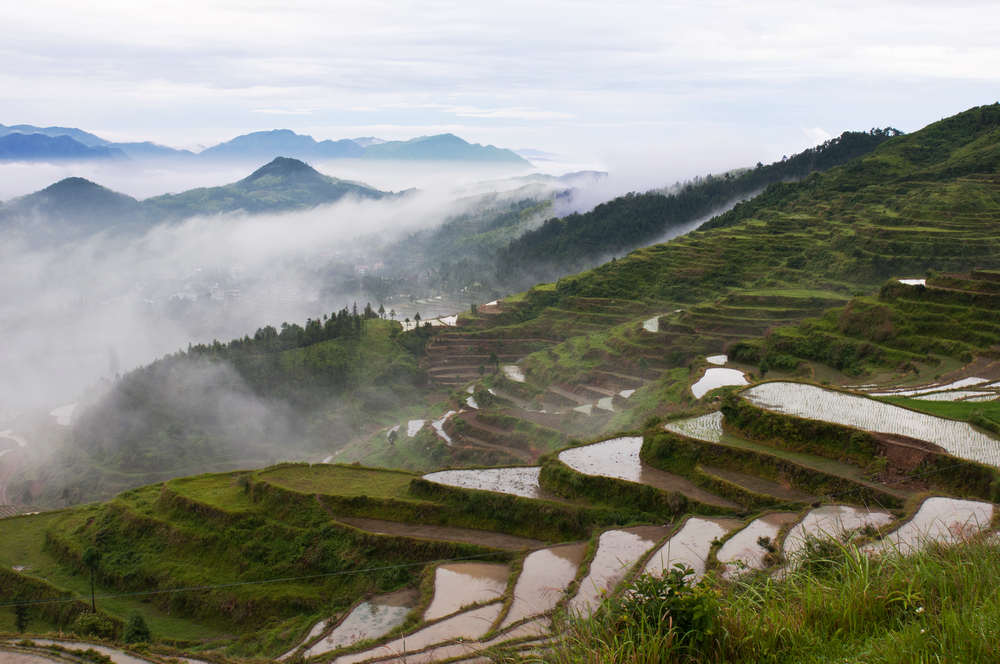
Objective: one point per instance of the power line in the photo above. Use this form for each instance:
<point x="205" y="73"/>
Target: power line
<point x="446" y="560"/>
<point x="251" y="583"/>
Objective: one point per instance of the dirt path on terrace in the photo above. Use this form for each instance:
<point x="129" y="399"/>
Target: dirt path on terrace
<point x="569" y="395"/>
<point x="442" y="533"/>
<point x="514" y="452"/>
<point x="550" y="420"/>
<point x="470" y="417"/>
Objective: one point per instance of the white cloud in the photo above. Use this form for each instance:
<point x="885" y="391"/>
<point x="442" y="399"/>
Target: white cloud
<point x="816" y="135"/>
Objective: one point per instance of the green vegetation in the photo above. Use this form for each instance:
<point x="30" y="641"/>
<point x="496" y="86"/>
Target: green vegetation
<point x="797" y="282"/>
<point x="936" y="605"/>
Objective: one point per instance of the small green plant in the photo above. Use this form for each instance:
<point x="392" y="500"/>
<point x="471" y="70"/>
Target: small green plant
<point x="136" y="629"/>
<point x="670" y="604"/>
<point x="89" y="623"/>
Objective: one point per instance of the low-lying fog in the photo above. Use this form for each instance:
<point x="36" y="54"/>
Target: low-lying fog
<point x="72" y="314"/>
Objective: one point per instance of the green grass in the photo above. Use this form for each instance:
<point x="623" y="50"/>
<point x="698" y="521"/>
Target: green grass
<point x="22" y="541"/>
<point x="956" y="410"/>
<point x="939" y="605"/>
<point x="341" y="480"/>
<point x="217" y="490"/>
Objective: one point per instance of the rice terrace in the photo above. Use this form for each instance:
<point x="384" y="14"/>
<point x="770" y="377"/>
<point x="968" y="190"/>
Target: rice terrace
<point x="775" y="438"/>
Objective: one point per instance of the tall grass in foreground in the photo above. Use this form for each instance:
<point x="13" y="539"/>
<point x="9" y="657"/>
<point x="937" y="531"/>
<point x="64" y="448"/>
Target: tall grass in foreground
<point x="939" y="605"/>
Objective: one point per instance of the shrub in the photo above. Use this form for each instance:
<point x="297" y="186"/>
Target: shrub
<point x="136" y="630"/>
<point x="670" y="604"/>
<point x="89" y="623"/>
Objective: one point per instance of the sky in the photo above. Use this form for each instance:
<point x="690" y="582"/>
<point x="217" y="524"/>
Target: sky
<point x="716" y="84"/>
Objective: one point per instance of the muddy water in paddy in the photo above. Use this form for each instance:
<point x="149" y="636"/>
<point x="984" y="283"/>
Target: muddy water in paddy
<point x="617" y="551"/>
<point x="830" y="521"/>
<point x="938" y="520"/>
<point x="443" y="533"/>
<point x="451" y="650"/>
<point x="543" y="579"/>
<point x="469" y="625"/>
<point x="461" y="584"/>
<point x="117" y="656"/>
<point x="742" y="551"/>
<point x="619" y="458"/>
<point x="368" y="620"/>
<point x="690" y="545"/>
<point x="515" y="481"/>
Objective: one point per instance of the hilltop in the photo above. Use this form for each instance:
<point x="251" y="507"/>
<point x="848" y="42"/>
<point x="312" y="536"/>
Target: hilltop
<point x="76" y="207"/>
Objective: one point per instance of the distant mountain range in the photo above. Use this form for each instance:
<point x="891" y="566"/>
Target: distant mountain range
<point x="75" y="207"/>
<point x="63" y="144"/>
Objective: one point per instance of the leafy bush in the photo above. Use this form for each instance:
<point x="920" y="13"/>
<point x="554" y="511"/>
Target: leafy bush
<point x="671" y="603"/>
<point x="93" y="624"/>
<point x="136" y="630"/>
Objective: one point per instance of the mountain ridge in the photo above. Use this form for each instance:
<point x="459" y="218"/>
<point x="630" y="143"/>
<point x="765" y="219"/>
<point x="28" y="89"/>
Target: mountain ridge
<point x="255" y="146"/>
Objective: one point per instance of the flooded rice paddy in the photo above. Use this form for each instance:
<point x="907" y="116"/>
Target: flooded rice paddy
<point x="913" y="282"/>
<point x="117" y="656"/>
<point x="586" y="409"/>
<point x="619" y="458"/>
<point x="544" y="578"/>
<point x="651" y="325"/>
<point x="605" y="403"/>
<point x="626" y="393"/>
<point x="617" y="551"/>
<point x="471" y="402"/>
<point x="809" y="401"/>
<point x="520" y="481"/>
<point x="714" y="378"/>
<point x="513" y="372"/>
<point x="946" y="520"/>
<point x="457" y="585"/>
<point x="64" y="414"/>
<point x="690" y="546"/>
<point x="742" y="552"/>
<point x="439" y="426"/>
<point x="451" y="650"/>
<point x="414" y="426"/>
<point x="913" y="392"/>
<point x="831" y="521"/>
<point x="469" y="625"/>
<point x="368" y="620"/>
<point x="717" y="360"/>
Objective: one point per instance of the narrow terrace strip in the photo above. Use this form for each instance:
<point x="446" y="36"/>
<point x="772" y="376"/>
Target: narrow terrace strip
<point x="441" y="533"/>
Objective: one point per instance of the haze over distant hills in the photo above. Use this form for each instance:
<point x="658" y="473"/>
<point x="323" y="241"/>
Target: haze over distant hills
<point x="56" y="144"/>
<point x="76" y="207"/>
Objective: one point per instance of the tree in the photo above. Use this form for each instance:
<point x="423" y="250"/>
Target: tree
<point x="92" y="558"/>
<point x="381" y="311"/>
<point x="482" y="370"/>
<point x="22" y="614"/>
<point x="26" y="497"/>
<point x="416" y="319"/>
<point x="643" y="365"/>
<point x="764" y="368"/>
<point x="136" y="629"/>
<point x="495" y="361"/>
<point x="473" y="309"/>
<point x="392" y="314"/>
<point x="393" y="437"/>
